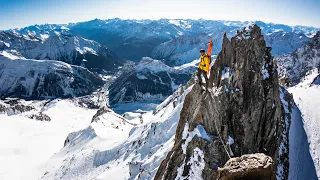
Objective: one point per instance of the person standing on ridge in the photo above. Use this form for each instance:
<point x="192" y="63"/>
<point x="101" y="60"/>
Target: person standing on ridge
<point x="203" y="68"/>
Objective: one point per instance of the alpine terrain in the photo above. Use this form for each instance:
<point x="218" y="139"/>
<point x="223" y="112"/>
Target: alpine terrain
<point x="120" y="99"/>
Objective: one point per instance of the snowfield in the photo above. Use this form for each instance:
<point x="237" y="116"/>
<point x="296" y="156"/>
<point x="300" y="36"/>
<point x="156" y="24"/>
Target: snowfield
<point x="27" y="144"/>
<point x="102" y="152"/>
<point x="306" y="96"/>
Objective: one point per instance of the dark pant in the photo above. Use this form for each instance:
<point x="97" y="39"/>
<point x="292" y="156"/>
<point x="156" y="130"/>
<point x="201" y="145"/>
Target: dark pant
<point x="200" y="71"/>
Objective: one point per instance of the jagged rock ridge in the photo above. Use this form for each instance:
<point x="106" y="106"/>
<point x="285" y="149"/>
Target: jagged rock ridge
<point x="242" y="115"/>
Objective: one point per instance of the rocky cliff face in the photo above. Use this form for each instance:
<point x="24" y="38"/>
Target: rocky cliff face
<point x="242" y="113"/>
<point x="20" y="107"/>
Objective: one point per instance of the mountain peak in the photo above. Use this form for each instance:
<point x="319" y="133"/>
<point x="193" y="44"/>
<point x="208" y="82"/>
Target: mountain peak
<point x="241" y="114"/>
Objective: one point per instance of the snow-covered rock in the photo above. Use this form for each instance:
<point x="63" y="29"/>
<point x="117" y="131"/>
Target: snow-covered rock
<point x="182" y="49"/>
<point x="61" y="46"/>
<point x="149" y="80"/>
<point x="283" y="42"/>
<point x="150" y="65"/>
<point x="102" y="151"/>
<point x="4" y="45"/>
<point x="43" y="78"/>
<point x="42" y="31"/>
<point x="299" y="63"/>
<point x="241" y="103"/>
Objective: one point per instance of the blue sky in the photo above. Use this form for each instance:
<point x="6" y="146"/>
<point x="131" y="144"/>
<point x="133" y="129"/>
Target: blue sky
<point x="21" y="13"/>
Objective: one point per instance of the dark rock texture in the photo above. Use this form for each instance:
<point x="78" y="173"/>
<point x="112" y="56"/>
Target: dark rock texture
<point x="40" y="117"/>
<point x="241" y="114"/>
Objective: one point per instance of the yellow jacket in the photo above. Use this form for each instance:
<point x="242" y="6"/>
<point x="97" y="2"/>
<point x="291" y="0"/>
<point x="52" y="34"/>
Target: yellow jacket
<point x="204" y="63"/>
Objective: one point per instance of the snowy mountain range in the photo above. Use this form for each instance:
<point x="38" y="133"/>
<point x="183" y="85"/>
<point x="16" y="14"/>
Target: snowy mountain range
<point x="300" y="62"/>
<point x="174" y="40"/>
<point x="149" y="80"/>
<point x="103" y="149"/>
<point x="27" y="78"/>
<point x="59" y="45"/>
<point x="80" y="137"/>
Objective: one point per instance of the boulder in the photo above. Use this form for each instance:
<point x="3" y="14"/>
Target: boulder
<point x="251" y="166"/>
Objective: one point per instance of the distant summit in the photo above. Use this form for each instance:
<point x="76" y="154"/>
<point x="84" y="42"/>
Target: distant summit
<point x="174" y="41"/>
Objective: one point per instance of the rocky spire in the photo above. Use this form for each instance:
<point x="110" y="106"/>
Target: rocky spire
<point x="241" y="115"/>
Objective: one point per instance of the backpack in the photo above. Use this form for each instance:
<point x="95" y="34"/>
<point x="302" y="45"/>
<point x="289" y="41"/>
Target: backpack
<point x="209" y="57"/>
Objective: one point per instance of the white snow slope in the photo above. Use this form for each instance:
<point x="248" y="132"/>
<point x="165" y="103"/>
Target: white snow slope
<point x="306" y="96"/>
<point x="26" y="144"/>
<point x="103" y="152"/>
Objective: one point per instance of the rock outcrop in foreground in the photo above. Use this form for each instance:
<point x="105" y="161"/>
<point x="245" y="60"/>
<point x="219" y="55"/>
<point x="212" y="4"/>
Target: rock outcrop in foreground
<point x="242" y="113"/>
<point x="252" y="166"/>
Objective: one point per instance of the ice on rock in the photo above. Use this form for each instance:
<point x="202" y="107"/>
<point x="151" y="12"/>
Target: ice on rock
<point x="199" y="131"/>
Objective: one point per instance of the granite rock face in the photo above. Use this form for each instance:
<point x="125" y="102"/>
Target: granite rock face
<point x="252" y="166"/>
<point x="241" y="114"/>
